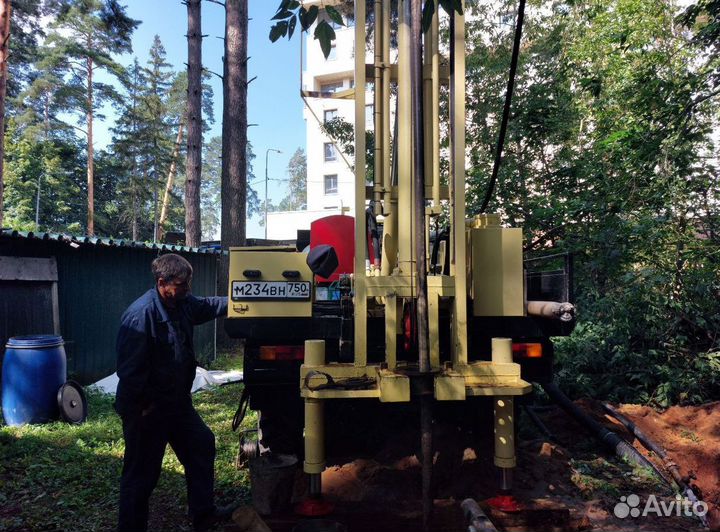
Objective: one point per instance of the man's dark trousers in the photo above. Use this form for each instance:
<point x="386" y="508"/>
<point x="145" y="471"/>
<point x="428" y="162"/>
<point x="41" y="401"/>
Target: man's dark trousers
<point x="145" y="440"/>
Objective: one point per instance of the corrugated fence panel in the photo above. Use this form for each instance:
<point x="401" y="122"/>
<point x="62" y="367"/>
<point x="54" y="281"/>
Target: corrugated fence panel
<point x="96" y="283"/>
<point x="204" y="284"/>
<point x="112" y="278"/>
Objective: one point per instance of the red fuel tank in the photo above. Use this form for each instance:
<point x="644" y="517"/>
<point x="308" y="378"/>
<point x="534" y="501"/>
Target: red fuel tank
<point x="339" y="232"/>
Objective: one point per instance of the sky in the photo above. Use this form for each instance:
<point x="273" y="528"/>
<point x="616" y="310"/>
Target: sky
<point x="274" y="103"/>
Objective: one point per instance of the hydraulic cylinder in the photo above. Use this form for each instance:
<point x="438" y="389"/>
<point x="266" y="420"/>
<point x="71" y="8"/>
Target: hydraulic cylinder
<point x="314" y="422"/>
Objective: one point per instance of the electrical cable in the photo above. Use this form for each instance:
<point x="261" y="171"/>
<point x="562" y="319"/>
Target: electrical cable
<point x="241" y="409"/>
<point x="506" y="108"/>
<point x="351" y="383"/>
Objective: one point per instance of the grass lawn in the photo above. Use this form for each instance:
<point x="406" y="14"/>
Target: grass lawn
<point x="64" y="477"/>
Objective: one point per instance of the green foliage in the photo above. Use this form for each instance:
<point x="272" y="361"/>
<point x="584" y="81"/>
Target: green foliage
<point x="342" y="133"/>
<point x="297" y="185"/>
<point x="80" y="42"/>
<point x="131" y="174"/>
<point x="53" y="165"/>
<point x="28" y="30"/>
<point x="609" y="156"/>
<point x="290" y="12"/>
<point x="210" y="188"/>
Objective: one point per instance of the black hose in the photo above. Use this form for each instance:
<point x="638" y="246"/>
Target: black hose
<point x="640" y="435"/>
<point x="539" y="423"/>
<point x="506" y="108"/>
<point x="611" y="440"/>
<point x="241" y="409"/>
<point x="660" y="452"/>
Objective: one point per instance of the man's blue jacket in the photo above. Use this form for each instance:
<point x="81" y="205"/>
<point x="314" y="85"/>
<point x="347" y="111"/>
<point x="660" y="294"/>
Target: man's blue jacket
<point x="155" y="357"/>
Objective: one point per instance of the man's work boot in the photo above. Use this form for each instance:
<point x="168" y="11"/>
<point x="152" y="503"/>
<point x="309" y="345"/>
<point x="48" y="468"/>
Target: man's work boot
<point x="211" y="521"/>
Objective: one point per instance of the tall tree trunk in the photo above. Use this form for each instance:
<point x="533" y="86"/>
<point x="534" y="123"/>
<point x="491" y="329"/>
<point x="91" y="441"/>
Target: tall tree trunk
<point x="156" y="193"/>
<point x="194" y="114"/>
<point x="170" y="182"/>
<point x="4" y="42"/>
<point x="134" y="223"/>
<point x="233" y="188"/>
<point x="90" y="152"/>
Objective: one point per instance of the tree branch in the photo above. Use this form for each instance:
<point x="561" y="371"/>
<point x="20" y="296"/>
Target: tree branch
<point x="83" y="131"/>
<point x="212" y="72"/>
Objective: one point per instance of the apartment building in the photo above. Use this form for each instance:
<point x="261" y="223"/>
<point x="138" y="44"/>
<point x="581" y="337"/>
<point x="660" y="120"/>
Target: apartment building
<point x="330" y="181"/>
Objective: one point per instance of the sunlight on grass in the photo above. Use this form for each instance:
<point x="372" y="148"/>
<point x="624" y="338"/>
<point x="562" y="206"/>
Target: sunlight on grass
<point x="57" y="474"/>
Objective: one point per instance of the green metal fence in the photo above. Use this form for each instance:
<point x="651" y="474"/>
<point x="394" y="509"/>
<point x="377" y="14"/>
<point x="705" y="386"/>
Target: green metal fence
<point x="97" y="281"/>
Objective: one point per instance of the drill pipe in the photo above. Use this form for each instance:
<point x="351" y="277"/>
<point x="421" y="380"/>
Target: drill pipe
<point x="415" y="7"/>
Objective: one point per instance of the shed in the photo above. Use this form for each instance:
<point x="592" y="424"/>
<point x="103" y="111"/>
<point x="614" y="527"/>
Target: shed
<point x="82" y="288"/>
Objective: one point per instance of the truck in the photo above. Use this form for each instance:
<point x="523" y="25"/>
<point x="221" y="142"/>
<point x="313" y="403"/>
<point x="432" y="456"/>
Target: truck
<point x="413" y="309"/>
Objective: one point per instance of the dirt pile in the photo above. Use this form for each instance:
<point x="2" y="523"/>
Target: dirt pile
<point x="572" y="470"/>
<point x="691" y="437"/>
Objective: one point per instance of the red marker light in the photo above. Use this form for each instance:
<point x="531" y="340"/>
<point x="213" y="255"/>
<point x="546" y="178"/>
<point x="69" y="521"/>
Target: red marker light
<point x="282" y="352"/>
<point x="524" y="350"/>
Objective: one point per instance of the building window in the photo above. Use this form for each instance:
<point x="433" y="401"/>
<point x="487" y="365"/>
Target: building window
<point x="333" y="53"/>
<point x="331" y="184"/>
<point x="329" y="152"/>
<point x="330" y="114"/>
<point x="333" y="86"/>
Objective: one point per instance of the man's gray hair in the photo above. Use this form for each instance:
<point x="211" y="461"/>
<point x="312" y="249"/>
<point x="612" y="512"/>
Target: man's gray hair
<point x="170" y="267"/>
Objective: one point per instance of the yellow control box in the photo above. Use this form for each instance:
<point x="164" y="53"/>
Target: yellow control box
<point x="269" y="283"/>
<point x="497" y="285"/>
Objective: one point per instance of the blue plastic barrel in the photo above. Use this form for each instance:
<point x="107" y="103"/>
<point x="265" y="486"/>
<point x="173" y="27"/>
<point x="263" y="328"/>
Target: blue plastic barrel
<point x="33" y="370"/>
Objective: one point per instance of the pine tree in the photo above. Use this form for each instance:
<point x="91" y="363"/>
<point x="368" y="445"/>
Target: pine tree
<point x="156" y="131"/>
<point x="234" y="178"/>
<point x="80" y="43"/>
<point x="194" y="142"/>
<point x="129" y="147"/>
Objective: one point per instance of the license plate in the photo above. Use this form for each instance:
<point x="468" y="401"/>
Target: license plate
<point x="270" y="290"/>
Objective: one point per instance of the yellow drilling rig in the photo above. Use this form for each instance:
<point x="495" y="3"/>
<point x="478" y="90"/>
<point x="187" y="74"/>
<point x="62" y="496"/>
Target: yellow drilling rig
<point x="382" y="313"/>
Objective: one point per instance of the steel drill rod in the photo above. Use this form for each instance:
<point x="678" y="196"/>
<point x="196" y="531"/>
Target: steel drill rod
<point x="418" y="131"/>
<point x="419" y="183"/>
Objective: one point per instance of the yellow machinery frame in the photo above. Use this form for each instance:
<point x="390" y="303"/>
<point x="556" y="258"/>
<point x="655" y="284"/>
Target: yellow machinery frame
<point x="395" y="281"/>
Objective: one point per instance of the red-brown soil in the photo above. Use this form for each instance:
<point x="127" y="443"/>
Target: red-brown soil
<point x="691" y="437"/>
<point x="573" y="471"/>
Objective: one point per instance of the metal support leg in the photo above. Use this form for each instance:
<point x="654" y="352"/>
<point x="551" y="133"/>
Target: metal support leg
<point x="504" y="432"/>
<point x="314" y="422"/>
<point x="504" y="452"/>
<point x="314" y="437"/>
<point x="314" y="443"/>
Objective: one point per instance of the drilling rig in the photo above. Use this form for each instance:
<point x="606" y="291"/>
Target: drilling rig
<point x="383" y="312"/>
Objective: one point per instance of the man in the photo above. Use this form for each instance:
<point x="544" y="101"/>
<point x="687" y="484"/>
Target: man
<point x="156" y="367"/>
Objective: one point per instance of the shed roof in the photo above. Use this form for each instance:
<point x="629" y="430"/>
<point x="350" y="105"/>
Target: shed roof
<point x="77" y="240"/>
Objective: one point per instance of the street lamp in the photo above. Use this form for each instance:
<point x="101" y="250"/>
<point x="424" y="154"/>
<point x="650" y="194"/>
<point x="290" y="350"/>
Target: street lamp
<point x="267" y="152"/>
